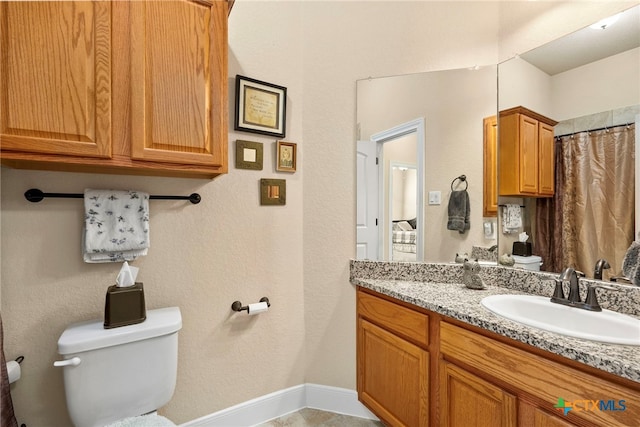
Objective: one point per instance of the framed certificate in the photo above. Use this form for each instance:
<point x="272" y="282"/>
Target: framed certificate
<point x="260" y="107"/>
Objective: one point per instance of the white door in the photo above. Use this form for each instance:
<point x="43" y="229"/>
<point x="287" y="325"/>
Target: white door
<point x="367" y="201"/>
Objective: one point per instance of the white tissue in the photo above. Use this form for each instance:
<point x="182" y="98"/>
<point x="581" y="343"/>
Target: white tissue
<point x="13" y="370"/>
<point x="523" y="236"/>
<point x="257" y="308"/>
<point x="127" y="275"/>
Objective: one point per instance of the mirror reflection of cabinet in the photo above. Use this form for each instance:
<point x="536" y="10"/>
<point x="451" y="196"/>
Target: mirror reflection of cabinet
<point x="525" y="154"/>
<point x="490" y="167"/>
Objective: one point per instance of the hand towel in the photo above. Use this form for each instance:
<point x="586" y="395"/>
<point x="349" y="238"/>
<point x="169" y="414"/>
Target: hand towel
<point x="511" y="218"/>
<point x="459" y="211"/>
<point x="631" y="263"/>
<point x="116" y="225"/>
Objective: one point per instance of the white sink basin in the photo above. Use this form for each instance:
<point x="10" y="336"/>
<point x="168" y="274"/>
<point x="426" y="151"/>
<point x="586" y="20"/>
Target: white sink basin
<point x="605" y="326"/>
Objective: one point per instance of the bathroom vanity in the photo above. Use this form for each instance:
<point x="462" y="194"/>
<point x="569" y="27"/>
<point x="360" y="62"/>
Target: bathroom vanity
<point x="428" y="353"/>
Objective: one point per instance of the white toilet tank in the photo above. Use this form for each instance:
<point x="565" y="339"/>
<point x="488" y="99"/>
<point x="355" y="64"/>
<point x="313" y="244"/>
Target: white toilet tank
<point x="111" y="374"/>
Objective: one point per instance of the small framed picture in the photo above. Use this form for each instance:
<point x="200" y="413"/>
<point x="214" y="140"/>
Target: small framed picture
<point x="273" y="192"/>
<point x="260" y="107"/>
<point x="286" y="154"/>
<point x="249" y="155"/>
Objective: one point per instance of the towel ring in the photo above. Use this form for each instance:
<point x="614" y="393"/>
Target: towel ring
<point x="462" y="178"/>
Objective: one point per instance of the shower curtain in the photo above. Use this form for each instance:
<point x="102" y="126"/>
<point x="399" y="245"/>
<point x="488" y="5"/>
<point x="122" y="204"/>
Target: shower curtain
<point x="592" y="213"/>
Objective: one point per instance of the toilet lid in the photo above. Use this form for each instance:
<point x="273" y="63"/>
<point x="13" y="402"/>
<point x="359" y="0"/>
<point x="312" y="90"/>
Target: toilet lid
<point x="143" y="421"/>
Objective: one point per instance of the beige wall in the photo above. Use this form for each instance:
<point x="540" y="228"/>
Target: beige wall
<point x="204" y="257"/>
<point x="453" y="104"/>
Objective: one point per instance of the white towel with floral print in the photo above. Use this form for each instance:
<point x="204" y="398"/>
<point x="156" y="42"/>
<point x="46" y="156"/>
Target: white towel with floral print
<point x="116" y="225"/>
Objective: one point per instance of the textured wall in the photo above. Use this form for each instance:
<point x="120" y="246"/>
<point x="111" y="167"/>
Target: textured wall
<point x="204" y="257"/>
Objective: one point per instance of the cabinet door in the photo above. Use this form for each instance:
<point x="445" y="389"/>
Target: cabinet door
<point x="393" y="376"/>
<point x="529" y="155"/>
<point x="547" y="160"/>
<point x="179" y="82"/>
<point x="470" y="401"/>
<point x="55" y="77"/>
<point x="531" y="416"/>
<point x="490" y="184"/>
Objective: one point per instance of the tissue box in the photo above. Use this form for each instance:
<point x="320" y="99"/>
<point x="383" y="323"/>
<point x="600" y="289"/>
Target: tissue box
<point x="522" y="248"/>
<point x="124" y="306"/>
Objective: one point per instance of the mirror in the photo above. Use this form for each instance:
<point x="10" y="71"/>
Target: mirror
<point x="448" y="142"/>
<point x="586" y="81"/>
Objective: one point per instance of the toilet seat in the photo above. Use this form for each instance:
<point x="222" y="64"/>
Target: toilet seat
<point x="143" y="421"/>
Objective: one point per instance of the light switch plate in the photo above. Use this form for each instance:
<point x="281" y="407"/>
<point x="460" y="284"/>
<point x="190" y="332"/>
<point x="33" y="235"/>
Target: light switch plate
<point x="435" y="197"/>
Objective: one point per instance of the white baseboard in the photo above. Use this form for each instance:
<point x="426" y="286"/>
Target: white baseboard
<point x="283" y="402"/>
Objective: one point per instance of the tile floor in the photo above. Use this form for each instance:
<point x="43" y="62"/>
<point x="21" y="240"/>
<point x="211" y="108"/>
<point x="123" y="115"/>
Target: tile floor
<point x="308" y="417"/>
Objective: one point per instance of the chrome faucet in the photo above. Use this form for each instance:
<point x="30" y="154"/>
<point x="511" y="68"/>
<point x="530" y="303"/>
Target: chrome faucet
<point x="601" y="264"/>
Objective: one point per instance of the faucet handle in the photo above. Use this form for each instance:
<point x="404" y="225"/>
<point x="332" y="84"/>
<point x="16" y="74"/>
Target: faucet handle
<point x="591" y="302"/>
<point x="558" y="292"/>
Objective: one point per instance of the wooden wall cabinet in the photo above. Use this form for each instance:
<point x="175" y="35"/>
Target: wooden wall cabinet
<point x="473" y="377"/>
<point x="134" y="87"/>
<point x="525" y="154"/>
<point x="490" y="167"/>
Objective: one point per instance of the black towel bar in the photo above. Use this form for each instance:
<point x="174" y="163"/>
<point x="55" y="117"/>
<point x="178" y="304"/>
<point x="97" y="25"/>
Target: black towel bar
<point x="35" y="195"/>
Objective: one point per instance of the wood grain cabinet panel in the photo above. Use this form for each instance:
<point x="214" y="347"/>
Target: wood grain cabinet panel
<point x="398" y="319"/>
<point x="55" y="77"/>
<point x="490" y="167"/>
<point x="531" y="416"/>
<point x="525" y="154"/>
<point x="464" y="376"/>
<point x="393" y="376"/>
<point x="177" y="62"/>
<point x="469" y="401"/>
<point x="125" y="87"/>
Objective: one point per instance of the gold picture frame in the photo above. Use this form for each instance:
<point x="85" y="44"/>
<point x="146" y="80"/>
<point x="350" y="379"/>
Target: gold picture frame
<point x="249" y="155"/>
<point x="286" y="156"/>
<point x="273" y="192"/>
<point x="261" y="107"/>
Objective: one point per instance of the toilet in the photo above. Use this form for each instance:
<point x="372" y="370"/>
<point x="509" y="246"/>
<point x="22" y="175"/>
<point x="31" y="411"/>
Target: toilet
<point x="120" y="376"/>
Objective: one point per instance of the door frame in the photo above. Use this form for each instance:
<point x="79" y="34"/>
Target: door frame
<point x="417" y="126"/>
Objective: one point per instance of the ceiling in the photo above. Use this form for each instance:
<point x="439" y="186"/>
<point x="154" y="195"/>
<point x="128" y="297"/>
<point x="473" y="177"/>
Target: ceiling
<point x="588" y="45"/>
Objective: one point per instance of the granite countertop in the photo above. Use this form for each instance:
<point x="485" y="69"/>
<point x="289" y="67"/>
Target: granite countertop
<point x="457" y="301"/>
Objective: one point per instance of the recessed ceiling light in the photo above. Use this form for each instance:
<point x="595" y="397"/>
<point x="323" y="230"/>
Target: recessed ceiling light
<point x="604" y="23"/>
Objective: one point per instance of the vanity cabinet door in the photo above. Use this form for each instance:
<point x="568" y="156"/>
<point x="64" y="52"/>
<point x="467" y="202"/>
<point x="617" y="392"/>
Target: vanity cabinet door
<point x="393" y="376"/>
<point x="393" y="361"/>
<point x="179" y="82"/>
<point x="467" y="400"/>
<point x="531" y="416"/>
<point x="55" y="78"/>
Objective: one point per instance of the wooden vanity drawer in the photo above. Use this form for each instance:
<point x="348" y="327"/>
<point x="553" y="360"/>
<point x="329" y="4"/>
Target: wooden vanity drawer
<point x="542" y="378"/>
<point x="394" y="317"/>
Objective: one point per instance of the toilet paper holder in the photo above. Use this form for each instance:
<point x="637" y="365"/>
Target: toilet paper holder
<point x="237" y="305"/>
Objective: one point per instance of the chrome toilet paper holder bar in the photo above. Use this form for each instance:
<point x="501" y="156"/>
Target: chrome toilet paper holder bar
<point x="237" y="305"/>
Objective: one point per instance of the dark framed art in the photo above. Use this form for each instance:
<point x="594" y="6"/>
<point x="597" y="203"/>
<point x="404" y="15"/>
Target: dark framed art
<point x="249" y="155"/>
<point x="273" y="191"/>
<point x="286" y="154"/>
<point x="261" y="107"/>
